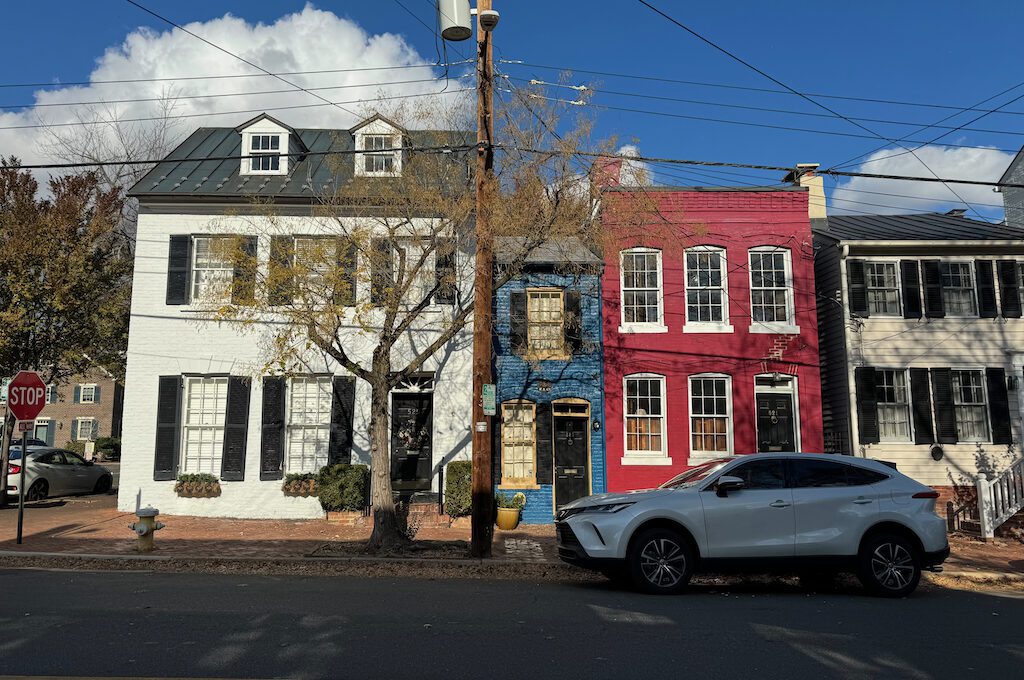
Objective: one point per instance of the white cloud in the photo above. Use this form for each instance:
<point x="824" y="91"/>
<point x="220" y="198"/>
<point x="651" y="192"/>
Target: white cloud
<point x="308" y="40"/>
<point x="944" y="161"/>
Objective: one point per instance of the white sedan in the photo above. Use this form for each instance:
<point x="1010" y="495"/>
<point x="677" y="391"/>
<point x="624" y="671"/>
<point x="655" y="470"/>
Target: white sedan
<point x="813" y="514"/>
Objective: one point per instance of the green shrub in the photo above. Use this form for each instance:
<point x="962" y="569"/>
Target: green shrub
<point x="77" y="447"/>
<point x="198" y="478"/>
<point x="343" y="487"/>
<point x="458" y="488"/>
<point x="109" y="447"/>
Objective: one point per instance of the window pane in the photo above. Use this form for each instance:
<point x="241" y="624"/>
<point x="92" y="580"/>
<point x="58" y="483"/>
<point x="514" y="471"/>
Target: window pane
<point x="893" y="405"/>
<point x="769" y="290"/>
<point x="819" y="473"/>
<point x="203" y="436"/>
<point x="517" y="442"/>
<point x="969" y="401"/>
<point x="640" y="292"/>
<point x="644" y="415"/>
<point x="762" y="474"/>
<point x="883" y="289"/>
<point x="958" y="288"/>
<point x="309" y="423"/>
<point x="545" y="317"/>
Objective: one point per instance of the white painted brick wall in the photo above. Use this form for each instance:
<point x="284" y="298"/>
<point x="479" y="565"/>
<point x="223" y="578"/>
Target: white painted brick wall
<point x="170" y="340"/>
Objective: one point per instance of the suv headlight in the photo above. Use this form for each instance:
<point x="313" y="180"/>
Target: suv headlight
<point x="610" y="507"/>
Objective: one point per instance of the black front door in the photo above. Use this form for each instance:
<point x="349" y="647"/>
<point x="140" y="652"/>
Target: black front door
<point x="570" y="459"/>
<point x="412" y="427"/>
<point x="775" y="423"/>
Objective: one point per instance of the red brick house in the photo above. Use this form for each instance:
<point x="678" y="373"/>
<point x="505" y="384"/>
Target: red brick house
<point x="710" y="329"/>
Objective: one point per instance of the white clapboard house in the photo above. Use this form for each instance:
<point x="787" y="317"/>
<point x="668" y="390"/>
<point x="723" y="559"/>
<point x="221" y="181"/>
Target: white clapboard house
<point x="197" y="398"/>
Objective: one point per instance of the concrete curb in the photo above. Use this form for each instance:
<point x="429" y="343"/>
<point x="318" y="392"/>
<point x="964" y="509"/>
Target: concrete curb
<point x="983" y="576"/>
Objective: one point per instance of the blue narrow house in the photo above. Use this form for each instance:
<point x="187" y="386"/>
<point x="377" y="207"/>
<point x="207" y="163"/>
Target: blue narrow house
<point x="550" y="395"/>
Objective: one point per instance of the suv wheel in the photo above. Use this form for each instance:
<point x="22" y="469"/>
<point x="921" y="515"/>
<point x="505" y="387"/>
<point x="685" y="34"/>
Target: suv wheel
<point x="889" y="565"/>
<point x="661" y="561"/>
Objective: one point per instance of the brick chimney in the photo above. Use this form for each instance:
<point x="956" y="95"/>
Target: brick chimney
<point x="606" y="172"/>
<point x="805" y="176"/>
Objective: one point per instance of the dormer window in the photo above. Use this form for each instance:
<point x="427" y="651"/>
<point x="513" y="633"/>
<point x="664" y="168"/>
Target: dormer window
<point x="380" y="155"/>
<point x="263" y="149"/>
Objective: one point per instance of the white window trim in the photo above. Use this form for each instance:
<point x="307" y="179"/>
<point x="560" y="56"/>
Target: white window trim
<point x="710" y="455"/>
<point x="910" y="408"/>
<point x="646" y="326"/>
<point x="247" y="169"/>
<point x="985" y="402"/>
<point x="895" y="261"/>
<point x="81" y="393"/>
<point x="562" y="353"/>
<point x="291" y="427"/>
<point x="183" y="431"/>
<point x="646" y="457"/>
<point x="793" y="388"/>
<point x="723" y="326"/>
<point x="198" y="300"/>
<point x="78" y="428"/>
<point x="396" y="151"/>
<point x="973" y="278"/>
<point x="788" y="327"/>
<point x="513" y="482"/>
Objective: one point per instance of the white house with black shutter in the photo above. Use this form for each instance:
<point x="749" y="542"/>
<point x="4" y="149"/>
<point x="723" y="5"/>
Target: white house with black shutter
<point x="197" y="397"/>
<point x="922" y="341"/>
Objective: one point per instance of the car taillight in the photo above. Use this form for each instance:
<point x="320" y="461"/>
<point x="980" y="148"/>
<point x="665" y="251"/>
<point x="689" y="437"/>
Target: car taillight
<point x="926" y="494"/>
<point x="13" y="469"/>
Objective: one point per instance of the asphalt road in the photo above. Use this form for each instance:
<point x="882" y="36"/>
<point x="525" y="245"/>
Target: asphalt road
<point x="158" y="625"/>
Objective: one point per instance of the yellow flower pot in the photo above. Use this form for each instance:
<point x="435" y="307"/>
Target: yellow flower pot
<point x="508" y="518"/>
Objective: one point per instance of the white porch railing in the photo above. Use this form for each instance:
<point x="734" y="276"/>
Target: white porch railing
<point x="1000" y="497"/>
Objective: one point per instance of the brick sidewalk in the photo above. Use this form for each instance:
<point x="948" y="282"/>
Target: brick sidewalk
<point x="92" y="525"/>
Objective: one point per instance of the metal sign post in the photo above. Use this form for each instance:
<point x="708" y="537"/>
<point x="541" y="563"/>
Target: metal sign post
<point x="26" y="396"/>
<point x="21" y="482"/>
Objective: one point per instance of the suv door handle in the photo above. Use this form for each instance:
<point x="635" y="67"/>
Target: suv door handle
<point x="779" y="504"/>
<point x="862" y="501"/>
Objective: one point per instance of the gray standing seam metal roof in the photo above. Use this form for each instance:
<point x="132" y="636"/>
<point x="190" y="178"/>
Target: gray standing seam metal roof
<point x="568" y="249"/>
<point x="184" y="172"/>
<point x="918" y="227"/>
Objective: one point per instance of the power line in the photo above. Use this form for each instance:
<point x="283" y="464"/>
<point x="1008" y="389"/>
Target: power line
<point x="123" y="81"/>
<point x="726" y="121"/>
<point x="636" y="76"/>
<point x="800" y="94"/>
<point x="228" y="113"/>
<point x="232" y="54"/>
<point x="596" y="91"/>
<point x="218" y="94"/>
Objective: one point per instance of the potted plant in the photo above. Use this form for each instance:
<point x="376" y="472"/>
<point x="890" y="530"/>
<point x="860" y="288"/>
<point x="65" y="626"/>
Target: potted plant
<point x="509" y="509"/>
<point x="197" y="486"/>
<point x="301" y="484"/>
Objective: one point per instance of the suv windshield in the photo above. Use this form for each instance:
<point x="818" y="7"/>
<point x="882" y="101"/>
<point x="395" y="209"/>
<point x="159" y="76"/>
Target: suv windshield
<point x="694" y="475"/>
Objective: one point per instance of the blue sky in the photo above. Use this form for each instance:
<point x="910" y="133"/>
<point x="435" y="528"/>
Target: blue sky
<point x="935" y="51"/>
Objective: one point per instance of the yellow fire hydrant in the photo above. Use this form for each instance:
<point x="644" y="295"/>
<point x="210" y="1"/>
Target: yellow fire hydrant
<point x="146" y="527"/>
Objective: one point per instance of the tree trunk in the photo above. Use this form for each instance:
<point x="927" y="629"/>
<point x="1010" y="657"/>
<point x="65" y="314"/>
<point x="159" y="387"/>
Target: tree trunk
<point x="5" y="453"/>
<point x="387" y="533"/>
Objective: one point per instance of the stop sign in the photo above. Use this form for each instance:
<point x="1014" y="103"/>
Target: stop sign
<point x="26" y="395"/>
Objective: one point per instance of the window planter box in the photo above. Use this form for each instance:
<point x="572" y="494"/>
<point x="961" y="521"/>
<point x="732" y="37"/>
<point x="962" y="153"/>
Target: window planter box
<point x="300" y="488"/>
<point x="197" y="489"/>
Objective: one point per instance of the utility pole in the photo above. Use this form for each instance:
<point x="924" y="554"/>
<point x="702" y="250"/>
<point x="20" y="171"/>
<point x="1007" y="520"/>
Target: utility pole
<point x="483" y="492"/>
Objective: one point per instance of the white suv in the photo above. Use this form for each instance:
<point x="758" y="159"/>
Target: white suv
<point x="814" y="514"/>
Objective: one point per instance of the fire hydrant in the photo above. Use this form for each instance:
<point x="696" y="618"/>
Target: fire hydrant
<point x="146" y="527"/>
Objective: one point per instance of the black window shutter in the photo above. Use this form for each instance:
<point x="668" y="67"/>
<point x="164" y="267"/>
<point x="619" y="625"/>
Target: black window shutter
<point x="348" y="259"/>
<point x="986" y="289"/>
<point x="281" y="280"/>
<point x="933" y="305"/>
<point x="272" y="441"/>
<point x="236" y="424"/>
<point x="179" y="259"/>
<point x="445" y="259"/>
<point x="545" y="439"/>
<point x="168" y="420"/>
<point x="243" y="287"/>
<point x="342" y="408"/>
<point x="911" y="277"/>
<point x="921" y="405"/>
<point x="573" y="322"/>
<point x="945" y="412"/>
<point x="1009" y="288"/>
<point x="999" y="406"/>
<point x="858" y="287"/>
<point x="517" y="321"/>
<point x="382" y="267"/>
<point x="96" y="394"/>
<point x="867" y="405"/>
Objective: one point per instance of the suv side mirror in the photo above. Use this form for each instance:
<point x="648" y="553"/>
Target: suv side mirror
<point x="727" y="483"/>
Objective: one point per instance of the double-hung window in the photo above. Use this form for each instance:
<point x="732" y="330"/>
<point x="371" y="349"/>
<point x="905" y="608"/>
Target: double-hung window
<point x="710" y="414"/>
<point x="309" y="423"/>
<point x="771" y="290"/>
<point x="206" y="401"/>
<point x="883" y="288"/>
<point x="645" y="415"/>
<point x="213" y="267"/>
<point x="518" y="444"/>
<point x="641" y="289"/>
<point x="969" y="402"/>
<point x="379" y="155"/>
<point x="87" y="394"/>
<point x="958" y="289"/>
<point x="85" y="429"/>
<point x="706" y="286"/>
<point x="315" y="257"/>
<point x="414" y="263"/>
<point x="893" y="400"/>
<point x="545" y="320"/>
<point x="264" y="153"/>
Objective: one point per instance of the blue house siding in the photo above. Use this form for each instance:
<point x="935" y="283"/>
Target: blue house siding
<point x="543" y="382"/>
